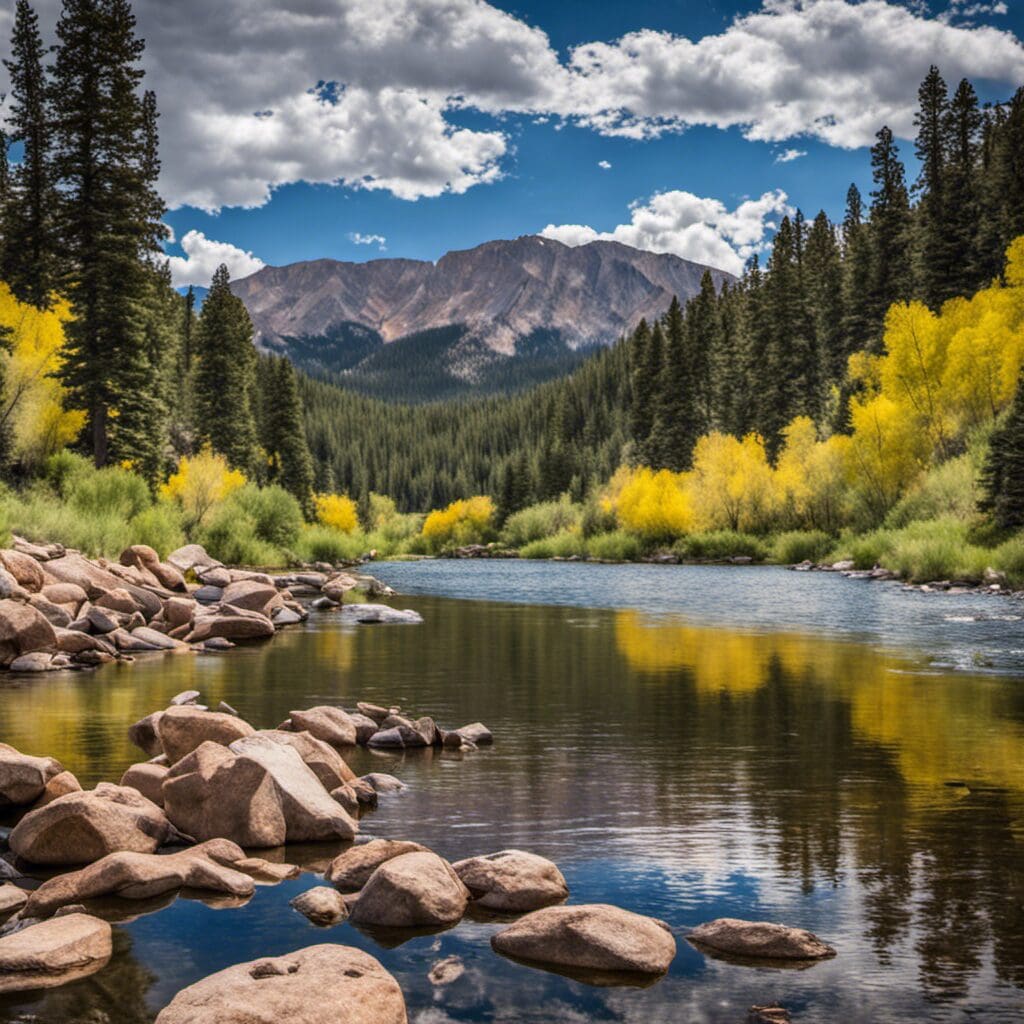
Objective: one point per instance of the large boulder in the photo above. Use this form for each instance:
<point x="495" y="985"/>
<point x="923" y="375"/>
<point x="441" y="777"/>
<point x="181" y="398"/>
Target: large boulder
<point x="145" y="736"/>
<point x="326" y="984"/>
<point x="593" y="937"/>
<point x="477" y="733"/>
<point x="23" y="778"/>
<point x="83" y="827"/>
<point x="351" y="870"/>
<point x="414" y="890"/>
<point x="759" y="940"/>
<point x="191" y="556"/>
<point x="338" y="586"/>
<point x="182" y="729"/>
<point x="326" y="763"/>
<point x="140" y="876"/>
<point x="60" y="785"/>
<point x="143" y="557"/>
<point x="77" y="569"/>
<point x="148" y="779"/>
<point x="258" y="793"/>
<point x="332" y="725"/>
<point x="231" y="624"/>
<point x="54" y="952"/>
<point x="512" y="880"/>
<point x="23" y="629"/>
<point x="250" y="595"/>
<point x="24" y="568"/>
<point x="11" y="899"/>
<point x="67" y="594"/>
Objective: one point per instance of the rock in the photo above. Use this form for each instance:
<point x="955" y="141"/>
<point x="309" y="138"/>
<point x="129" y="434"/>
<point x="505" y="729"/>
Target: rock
<point x="145" y="558"/>
<point x="593" y="937"/>
<point x="233" y="624"/>
<point x="257" y="793"/>
<point x="338" y="586"/>
<point x="225" y="708"/>
<point x="191" y="556"/>
<point x="179" y="611"/>
<point x="54" y="952"/>
<point x="351" y="870"/>
<point x="346" y="796"/>
<point x="384" y="783"/>
<point x="24" y="568"/>
<point x="60" y="785"/>
<point x="323" y="906"/>
<point x="760" y="940"/>
<point x="365" y="794"/>
<point x="23" y="778"/>
<point x="117" y="600"/>
<point x="413" y="890"/>
<point x="214" y="576"/>
<point x="284" y="616"/>
<point x="217" y="643"/>
<point x="79" y="828"/>
<point x="774" y="1014"/>
<point x="94" y="580"/>
<point x="40" y="552"/>
<point x="145" y="736"/>
<point x="367" y="614"/>
<point x="310" y="812"/>
<point x="102" y="620"/>
<point x="265" y="871"/>
<point x="326" y="984"/>
<point x="512" y="880"/>
<point x="53" y="613"/>
<point x="477" y="733"/>
<point x="182" y="729"/>
<point x="125" y="641"/>
<point x="34" y="661"/>
<point x="373" y="711"/>
<point x="23" y="629"/>
<point x="445" y="971"/>
<point x="249" y="595"/>
<point x="208" y="594"/>
<point x="11" y="899"/>
<point x="323" y="604"/>
<point x="148" y="779"/>
<point x="332" y="725"/>
<point x="185" y="697"/>
<point x="326" y="763"/>
<point x="141" y="876"/>
<point x="157" y="640"/>
<point x="71" y="641"/>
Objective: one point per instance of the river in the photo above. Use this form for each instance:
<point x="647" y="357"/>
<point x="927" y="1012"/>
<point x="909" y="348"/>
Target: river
<point x="685" y="742"/>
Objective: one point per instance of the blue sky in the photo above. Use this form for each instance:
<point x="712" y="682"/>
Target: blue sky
<point x="574" y="144"/>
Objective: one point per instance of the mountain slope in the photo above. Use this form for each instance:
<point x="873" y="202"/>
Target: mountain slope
<point x="482" y="318"/>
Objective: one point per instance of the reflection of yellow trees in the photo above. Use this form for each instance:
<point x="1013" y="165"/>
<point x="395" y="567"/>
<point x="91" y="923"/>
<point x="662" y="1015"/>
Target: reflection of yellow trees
<point x="938" y="727"/>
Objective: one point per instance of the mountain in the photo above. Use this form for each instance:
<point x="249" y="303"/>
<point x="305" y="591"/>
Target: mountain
<point x="492" y="318"/>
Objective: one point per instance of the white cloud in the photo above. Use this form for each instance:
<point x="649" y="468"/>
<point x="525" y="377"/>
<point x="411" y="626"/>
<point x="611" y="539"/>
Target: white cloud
<point x="703" y="230"/>
<point x="789" y="155"/>
<point x="241" y="113"/>
<point x="359" y="238"/>
<point x="604" y="165"/>
<point x="203" y="256"/>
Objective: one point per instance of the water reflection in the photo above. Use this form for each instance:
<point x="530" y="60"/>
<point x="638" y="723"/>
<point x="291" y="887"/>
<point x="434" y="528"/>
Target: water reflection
<point x="674" y="769"/>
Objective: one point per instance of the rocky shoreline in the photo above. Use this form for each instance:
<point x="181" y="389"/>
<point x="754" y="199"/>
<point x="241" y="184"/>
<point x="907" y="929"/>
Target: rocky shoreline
<point x="61" y="610"/>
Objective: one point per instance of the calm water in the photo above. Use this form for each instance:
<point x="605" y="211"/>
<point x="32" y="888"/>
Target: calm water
<point x="685" y="742"/>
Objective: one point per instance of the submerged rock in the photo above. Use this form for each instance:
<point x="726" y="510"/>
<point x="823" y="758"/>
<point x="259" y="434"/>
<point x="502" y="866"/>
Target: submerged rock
<point x="760" y="940"/>
<point x="366" y="614"/>
<point x="512" y="880"/>
<point x="326" y="984"/>
<point x="54" y="952"/>
<point x="594" y="937"/>
<point x="445" y="971"/>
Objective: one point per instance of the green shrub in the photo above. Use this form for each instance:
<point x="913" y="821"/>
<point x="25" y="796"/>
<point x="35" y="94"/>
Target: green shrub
<point x="596" y="518"/>
<point x="109" y="491"/>
<point x="276" y="515"/>
<point x="947" y="490"/>
<point x="1009" y="558"/>
<point x="561" y="545"/>
<point x="539" y="521"/>
<point x="324" y="544"/>
<point x="801" y="546"/>
<point x="63" y="468"/>
<point x="160" y="527"/>
<point x="231" y="537"/>
<point x="936" y="550"/>
<point x="719" y="545"/>
<point x="616" y="546"/>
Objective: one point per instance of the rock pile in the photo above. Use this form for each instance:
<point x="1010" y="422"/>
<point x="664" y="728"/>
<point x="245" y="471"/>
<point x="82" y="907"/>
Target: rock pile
<point x="60" y="610"/>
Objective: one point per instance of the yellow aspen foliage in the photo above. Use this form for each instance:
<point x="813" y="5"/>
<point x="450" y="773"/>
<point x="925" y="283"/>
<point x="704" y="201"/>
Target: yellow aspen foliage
<point x="732" y="485"/>
<point x="810" y="477"/>
<point x="200" y="483"/>
<point x="652" y="503"/>
<point x="468" y="521"/>
<point x="337" y="511"/>
<point x="32" y="404"/>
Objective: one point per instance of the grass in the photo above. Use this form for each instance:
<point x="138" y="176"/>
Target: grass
<point x="720" y="545"/>
<point x="801" y="546"/>
<point x="561" y="545"/>
<point x="617" y="546"/>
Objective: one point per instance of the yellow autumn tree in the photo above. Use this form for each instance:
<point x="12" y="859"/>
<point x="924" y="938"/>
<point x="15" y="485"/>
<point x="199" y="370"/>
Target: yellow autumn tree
<point x="337" y="511"/>
<point x="32" y="403"/>
<point x="732" y="485"/>
<point x="655" y="504"/>
<point x="810" y="477"/>
<point x="200" y="483"/>
<point x="467" y="521"/>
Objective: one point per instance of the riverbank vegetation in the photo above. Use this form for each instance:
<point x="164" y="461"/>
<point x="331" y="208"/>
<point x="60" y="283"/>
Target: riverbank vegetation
<point x="857" y="397"/>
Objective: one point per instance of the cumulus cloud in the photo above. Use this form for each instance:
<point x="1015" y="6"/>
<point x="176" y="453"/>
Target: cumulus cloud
<point x="256" y="94"/>
<point x="360" y="239"/>
<point x="604" y="165"/>
<point x="203" y="256"/>
<point x="789" y="155"/>
<point x="686" y="225"/>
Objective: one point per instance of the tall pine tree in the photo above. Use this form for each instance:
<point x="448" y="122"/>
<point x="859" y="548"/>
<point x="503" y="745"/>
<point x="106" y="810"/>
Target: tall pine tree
<point x="676" y="420"/>
<point x="282" y="431"/>
<point x="1003" y="474"/>
<point x="963" y="200"/>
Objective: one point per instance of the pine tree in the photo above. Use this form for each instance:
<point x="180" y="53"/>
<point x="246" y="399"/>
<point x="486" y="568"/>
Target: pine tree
<point x="890" y="232"/>
<point x="728" y="374"/>
<point x="823" y="275"/>
<point x="751" y="410"/>
<point x="1003" y="474"/>
<point x="29" y="264"/>
<point x="675" y="430"/>
<point x="858" y="325"/>
<point x="701" y="331"/>
<point x="225" y="376"/>
<point x="282" y="431"/>
<point x="188" y="327"/>
<point x="105" y="158"/>
<point x="963" y="215"/>
<point x="644" y="381"/>
<point x="654" y="364"/>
